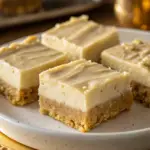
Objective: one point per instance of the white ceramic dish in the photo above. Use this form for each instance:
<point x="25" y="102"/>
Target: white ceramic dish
<point x="130" y="130"/>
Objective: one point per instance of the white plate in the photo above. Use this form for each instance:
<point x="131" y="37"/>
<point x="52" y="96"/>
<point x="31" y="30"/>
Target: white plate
<point x="130" y="130"/>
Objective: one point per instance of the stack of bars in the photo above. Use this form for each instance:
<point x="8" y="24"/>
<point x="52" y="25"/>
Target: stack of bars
<point x="71" y="71"/>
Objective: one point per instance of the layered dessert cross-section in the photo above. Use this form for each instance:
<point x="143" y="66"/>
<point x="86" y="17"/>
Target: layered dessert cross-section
<point x="82" y="94"/>
<point x="134" y="58"/>
<point x="81" y="38"/>
<point x="20" y="65"/>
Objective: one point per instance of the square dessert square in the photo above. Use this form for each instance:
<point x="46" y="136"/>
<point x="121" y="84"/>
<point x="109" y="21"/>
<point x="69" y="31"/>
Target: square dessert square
<point x="20" y="65"/>
<point x="81" y="38"/>
<point x="82" y="94"/>
<point x="134" y="58"/>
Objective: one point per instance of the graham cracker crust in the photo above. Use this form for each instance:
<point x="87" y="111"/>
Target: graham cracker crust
<point x="85" y="121"/>
<point x="18" y="96"/>
<point x="141" y="93"/>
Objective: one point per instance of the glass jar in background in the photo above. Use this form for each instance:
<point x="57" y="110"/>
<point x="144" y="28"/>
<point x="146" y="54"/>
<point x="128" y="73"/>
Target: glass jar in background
<point x="17" y="7"/>
<point x="133" y="13"/>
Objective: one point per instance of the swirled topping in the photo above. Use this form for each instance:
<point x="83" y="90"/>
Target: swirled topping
<point x="135" y="52"/>
<point x="82" y="74"/>
<point x="28" y="54"/>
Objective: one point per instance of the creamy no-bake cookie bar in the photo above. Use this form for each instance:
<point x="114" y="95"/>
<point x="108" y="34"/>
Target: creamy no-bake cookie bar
<point x="81" y="38"/>
<point x="83" y="94"/>
<point x="20" y="65"/>
<point x="134" y="58"/>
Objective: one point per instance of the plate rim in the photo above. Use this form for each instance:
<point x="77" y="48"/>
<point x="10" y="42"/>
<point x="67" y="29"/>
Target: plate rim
<point x="87" y="135"/>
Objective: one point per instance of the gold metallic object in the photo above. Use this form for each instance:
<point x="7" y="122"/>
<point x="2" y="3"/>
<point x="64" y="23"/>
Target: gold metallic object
<point x="133" y="13"/>
<point x="8" y="144"/>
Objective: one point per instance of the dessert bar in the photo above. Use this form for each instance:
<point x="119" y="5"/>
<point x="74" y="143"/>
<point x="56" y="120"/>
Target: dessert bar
<point x="81" y="38"/>
<point x="134" y="58"/>
<point x="20" y="65"/>
<point x="83" y="94"/>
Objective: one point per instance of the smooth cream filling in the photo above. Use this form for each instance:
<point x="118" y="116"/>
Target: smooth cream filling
<point x="24" y="79"/>
<point x="137" y="72"/>
<point x="73" y="51"/>
<point x="9" y="74"/>
<point x="81" y="38"/>
<point x="109" y="91"/>
<point x="62" y="94"/>
<point x="84" y="101"/>
<point x="90" y="51"/>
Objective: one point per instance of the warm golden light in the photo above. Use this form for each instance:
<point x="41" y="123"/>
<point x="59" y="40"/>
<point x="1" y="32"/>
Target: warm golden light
<point x="146" y="5"/>
<point x="138" y="13"/>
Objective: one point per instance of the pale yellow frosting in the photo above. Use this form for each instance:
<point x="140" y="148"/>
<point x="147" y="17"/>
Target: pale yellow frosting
<point x="131" y="57"/>
<point x="30" y="56"/>
<point x="81" y="38"/>
<point x="21" y="63"/>
<point x="83" y="84"/>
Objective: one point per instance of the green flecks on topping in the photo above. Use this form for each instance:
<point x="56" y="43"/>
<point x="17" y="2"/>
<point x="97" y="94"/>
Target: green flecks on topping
<point x="146" y="61"/>
<point x="133" y="46"/>
<point x="128" y="47"/>
<point x="136" y="42"/>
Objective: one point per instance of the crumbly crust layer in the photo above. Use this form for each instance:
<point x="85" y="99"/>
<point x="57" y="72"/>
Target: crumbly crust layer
<point x="141" y="93"/>
<point x="18" y="96"/>
<point x="84" y="121"/>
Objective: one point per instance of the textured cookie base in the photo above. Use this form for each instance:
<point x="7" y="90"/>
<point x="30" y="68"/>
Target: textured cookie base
<point x="18" y="96"/>
<point x="85" y="121"/>
<point x="141" y="93"/>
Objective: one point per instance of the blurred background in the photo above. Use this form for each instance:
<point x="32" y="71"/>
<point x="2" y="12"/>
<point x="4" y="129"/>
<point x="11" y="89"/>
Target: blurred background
<point x="20" y="18"/>
<point x="23" y="17"/>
